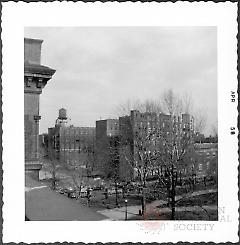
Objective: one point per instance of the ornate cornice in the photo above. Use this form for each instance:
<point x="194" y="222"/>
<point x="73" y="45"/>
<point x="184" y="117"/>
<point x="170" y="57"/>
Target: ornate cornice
<point x="38" y="69"/>
<point x="28" y="74"/>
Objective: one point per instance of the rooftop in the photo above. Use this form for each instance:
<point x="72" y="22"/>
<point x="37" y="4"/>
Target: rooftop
<point x="205" y="145"/>
<point x="32" y="40"/>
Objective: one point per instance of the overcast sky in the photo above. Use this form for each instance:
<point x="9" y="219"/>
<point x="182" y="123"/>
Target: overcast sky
<point x="98" y="68"/>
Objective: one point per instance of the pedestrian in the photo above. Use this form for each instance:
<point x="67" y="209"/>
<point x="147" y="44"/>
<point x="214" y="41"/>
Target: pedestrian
<point x="88" y="196"/>
<point x="204" y="180"/>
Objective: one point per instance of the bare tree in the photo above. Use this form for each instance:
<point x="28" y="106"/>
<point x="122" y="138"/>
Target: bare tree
<point x="133" y="104"/>
<point x="138" y="148"/>
<point x="107" y="156"/>
<point x="80" y="169"/>
<point x="152" y="106"/>
<point x="171" y="103"/>
<point x="174" y="144"/>
<point x="123" y="109"/>
<point x="215" y="131"/>
<point x="200" y="118"/>
<point x="114" y="163"/>
<point x="52" y="159"/>
<point x="163" y="143"/>
<point x="187" y="102"/>
<point x="77" y="175"/>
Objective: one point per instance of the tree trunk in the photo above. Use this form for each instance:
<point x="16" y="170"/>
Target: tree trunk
<point x="173" y="192"/>
<point x="53" y="179"/>
<point x="144" y="183"/>
<point x="79" y="191"/>
<point x="143" y="201"/>
<point x="116" y="192"/>
<point x="123" y="191"/>
<point x="173" y="206"/>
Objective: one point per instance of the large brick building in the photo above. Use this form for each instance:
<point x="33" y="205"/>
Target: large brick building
<point x="36" y="77"/>
<point x="73" y="146"/>
<point x="134" y="133"/>
<point x="206" y="160"/>
<point x="107" y="138"/>
<point x="145" y="132"/>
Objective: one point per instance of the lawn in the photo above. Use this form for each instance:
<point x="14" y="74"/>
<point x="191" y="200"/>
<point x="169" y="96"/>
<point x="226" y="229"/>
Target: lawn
<point x="183" y="215"/>
<point x="200" y="200"/>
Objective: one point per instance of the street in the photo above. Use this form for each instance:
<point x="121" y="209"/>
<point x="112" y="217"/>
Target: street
<point x="45" y="204"/>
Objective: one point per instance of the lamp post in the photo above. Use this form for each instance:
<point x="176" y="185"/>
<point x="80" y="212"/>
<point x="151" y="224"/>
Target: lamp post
<point x="126" y="209"/>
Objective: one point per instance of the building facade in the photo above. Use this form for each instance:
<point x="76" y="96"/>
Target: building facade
<point x="137" y="136"/>
<point x="206" y="163"/>
<point x="72" y="146"/>
<point x="107" y="141"/>
<point x="144" y="135"/>
<point x="36" y="77"/>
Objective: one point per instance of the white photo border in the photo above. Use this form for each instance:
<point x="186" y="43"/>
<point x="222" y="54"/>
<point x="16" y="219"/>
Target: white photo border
<point x="16" y="16"/>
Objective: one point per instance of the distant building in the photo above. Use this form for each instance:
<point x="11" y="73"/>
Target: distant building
<point x="199" y="138"/>
<point x="133" y="132"/>
<point x="43" y="145"/>
<point x="107" y="138"/>
<point x="126" y="148"/>
<point x="145" y="127"/>
<point x="126" y="133"/>
<point x="74" y="146"/>
<point x="211" y="139"/>
<point x="206" y="160"/>
<point x="36" y="77"/>
<point x="187" y="122"/>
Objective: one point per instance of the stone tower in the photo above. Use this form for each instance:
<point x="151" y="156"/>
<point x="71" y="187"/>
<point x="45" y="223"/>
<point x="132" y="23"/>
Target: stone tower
<point x="36" y="77"/>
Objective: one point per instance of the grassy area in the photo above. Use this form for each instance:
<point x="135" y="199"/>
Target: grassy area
<point x="183" y="215"/>
<point x="200" y="200"/>
<point x="100" y="203"/>
<point x="198" y="187"/>
<point x="205" y="199"/>
<point x="180" y="190"/>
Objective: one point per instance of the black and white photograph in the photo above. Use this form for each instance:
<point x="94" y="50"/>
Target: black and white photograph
<point x="120" y="122"/>
<point x="128" y="127"/>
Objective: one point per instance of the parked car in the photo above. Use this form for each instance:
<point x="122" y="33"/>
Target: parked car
<point x="61" y="191"/>
<point x="97" y="188"/>
<point x="69" y="192"/>
<point x="72" y="194"/>
<point x="83" y="192"/>
<point x="112" y="191"/>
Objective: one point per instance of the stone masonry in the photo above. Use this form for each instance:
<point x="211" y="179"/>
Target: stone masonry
<point x="36" y="77"/>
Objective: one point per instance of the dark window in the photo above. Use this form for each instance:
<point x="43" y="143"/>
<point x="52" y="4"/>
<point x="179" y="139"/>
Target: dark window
<point x="39" y="83"/>
<point x="28" y="80"/>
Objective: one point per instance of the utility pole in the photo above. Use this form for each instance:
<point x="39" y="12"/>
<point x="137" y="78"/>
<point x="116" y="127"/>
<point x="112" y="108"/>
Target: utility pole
<point x="126" y="201"/>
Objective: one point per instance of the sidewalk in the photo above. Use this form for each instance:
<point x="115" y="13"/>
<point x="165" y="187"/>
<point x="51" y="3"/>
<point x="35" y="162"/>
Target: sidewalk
<point x="119" y="213"/>
<point x="44" y="204"/>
